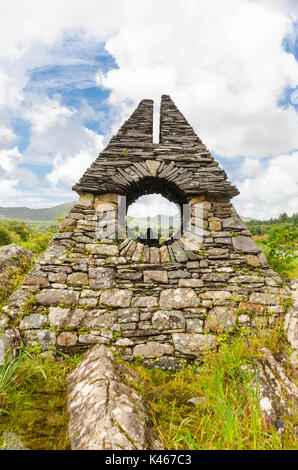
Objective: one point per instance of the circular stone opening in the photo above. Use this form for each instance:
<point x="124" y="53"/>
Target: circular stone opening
<point x="155" y="211"/>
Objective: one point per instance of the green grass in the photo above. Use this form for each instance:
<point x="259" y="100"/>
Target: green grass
<point x="33" y="402"/>
<point x="228" y="414"/>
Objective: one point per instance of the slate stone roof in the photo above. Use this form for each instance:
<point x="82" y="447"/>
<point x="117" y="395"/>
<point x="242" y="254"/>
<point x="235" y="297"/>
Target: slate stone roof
<point x="182" y="159"/>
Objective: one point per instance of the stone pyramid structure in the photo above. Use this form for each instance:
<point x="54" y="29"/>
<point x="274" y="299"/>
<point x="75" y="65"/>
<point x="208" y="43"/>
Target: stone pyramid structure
<point x="164" y="303"/>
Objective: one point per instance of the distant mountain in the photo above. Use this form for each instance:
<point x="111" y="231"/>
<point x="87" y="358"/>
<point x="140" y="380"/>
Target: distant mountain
<point x="48" y="214"/>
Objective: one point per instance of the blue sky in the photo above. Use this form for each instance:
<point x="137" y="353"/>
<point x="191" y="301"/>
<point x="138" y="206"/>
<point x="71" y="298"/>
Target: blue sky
<point x="70" y="77"/>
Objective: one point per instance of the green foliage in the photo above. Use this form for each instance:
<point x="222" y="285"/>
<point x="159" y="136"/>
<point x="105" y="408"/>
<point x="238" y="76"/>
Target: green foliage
<point x="31" y="238"/>
<point x="281" y="247"/>
<point x="33" y="402"/>
<point x="261" y="227"/>
<point x="5" y="237"/>
<point x="227" y="415"/>
<point x="20" y="230"/>
<point x="39" y="240"/>
<point x="8" y="370"/>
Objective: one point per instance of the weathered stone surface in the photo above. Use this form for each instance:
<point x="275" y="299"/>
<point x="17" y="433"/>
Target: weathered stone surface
<point x="223" y="240"/>
<point x="291" y="328"/>
<point x="215" y="224"/>
<point x="233" y="223"/>
<point x="276" y="392"/>
<point x="11" y="256"/>
<point x="10" y="339"/>
<point x="33" y="321"/>
<point x="156" y="276"/>
<point x="128" y="315"/>
<point x="36" y="280"/>
<point x="44" y="338"/>
<point x="105" y="414"/>
<point x="11" y="441"/>
<point x="131" y="275"/>
<point x="55" y="254"/>
<point x="138" y="252"/>
<point x="164" y="254"/>
<point x="253" y="260"/>
<point x="179" y="274"/>
<point x="148" y="301"/>
<point x="245" y="245"/>
<point x="246" y="280"/>
<point x="214" y="277"/>
<point x="264" y="299"/>
<point x="101" y="278"/>
<point x="102" y="249"/>
<point x="88" y="302"/>
<point x="57" y="296"/>
<point x="89" y="339"/>
<point x="78" y="279"/>
<point x="67" y="339"/>
<point x="57" y="277"/>
<point x="217" y="251"/>
<point x="86" y="200"/>
<point x="152" y="166"/>
<point x="154" y="255"/>
<point x="178" y="298"/>
<point x="263" y="259"/>
<point x="104" y="206"/>
<point x="152" y="349"/>
<point x="86" y="225"/>
<point x="116" y="297"/>
<point x="96" y="319"/>
<point x="253" y="308"/>
<point x="108" y="197"/>
<point x="19" y="298"/>
<point x="67" y="225"/>
<point x="193" y="343"/>
<point x="168" y="320"/>
<point x="190" y="283"/>
<point x="192" y="265"/>
<point x="216" y="295"/>
<point x="194" y="325"/>
<point x="59" y="317"/>
<point x="221" y="319"/>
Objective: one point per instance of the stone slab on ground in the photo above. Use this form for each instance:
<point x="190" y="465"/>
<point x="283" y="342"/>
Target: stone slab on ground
<point x="105" y="414"/>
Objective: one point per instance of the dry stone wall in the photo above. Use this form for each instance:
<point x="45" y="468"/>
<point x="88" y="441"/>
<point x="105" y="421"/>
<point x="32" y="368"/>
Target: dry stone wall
<point x="163" y="304"/>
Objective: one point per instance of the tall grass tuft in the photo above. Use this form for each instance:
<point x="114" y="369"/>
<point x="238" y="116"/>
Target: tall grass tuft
<point x="227" y="414"/>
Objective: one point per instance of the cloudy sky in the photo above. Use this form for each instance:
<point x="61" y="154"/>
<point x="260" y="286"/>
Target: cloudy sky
<point x="72" y="70"/>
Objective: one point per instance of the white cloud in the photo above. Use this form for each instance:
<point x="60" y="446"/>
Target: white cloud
<point x="151" y="205"/>
<point x="8" y="189"/>
<point x="249" y="167"/>
<point x="68" y="169"/>
<point x="271" y="191"/>
<point x="223" y="63"/>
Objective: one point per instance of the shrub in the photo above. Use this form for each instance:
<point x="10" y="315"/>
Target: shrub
<point x="281" y="247"/>
<point x="5" y="237"/>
